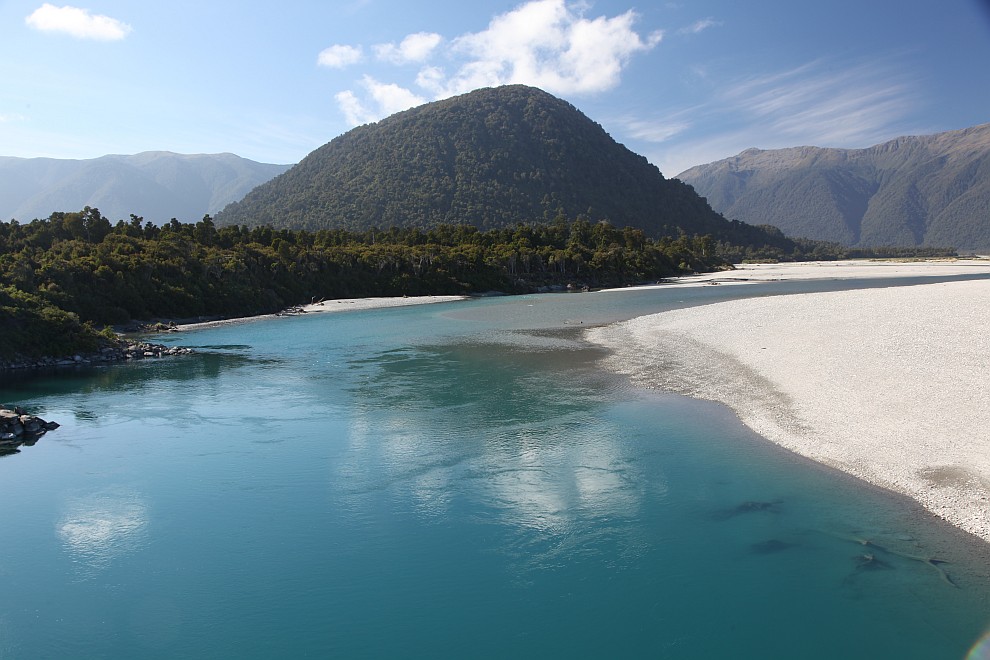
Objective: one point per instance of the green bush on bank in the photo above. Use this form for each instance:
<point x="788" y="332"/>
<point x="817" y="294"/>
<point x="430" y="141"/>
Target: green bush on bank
<point x="30" y="327"/>
<point x="66" y="273"/>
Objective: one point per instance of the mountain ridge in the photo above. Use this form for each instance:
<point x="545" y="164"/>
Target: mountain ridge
<point x="927" y="190"/>
<point x="156" y="185"/>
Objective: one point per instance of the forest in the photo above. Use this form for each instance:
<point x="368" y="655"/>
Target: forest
<point x="65" y="278"/>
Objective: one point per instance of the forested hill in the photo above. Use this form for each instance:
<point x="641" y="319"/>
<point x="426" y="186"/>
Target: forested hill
<point x="491" y="158"/>
<point x="917" y="190"/>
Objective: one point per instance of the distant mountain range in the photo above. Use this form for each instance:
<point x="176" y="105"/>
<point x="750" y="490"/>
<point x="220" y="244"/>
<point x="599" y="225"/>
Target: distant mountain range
<point x="931" y="190"/>
<point x="157" y="185"/>
<point x="490" y="158"/>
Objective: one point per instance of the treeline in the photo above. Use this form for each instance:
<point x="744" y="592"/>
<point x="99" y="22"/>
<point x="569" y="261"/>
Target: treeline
<point x="80" y="269"/>
<point x="804" y="249"/>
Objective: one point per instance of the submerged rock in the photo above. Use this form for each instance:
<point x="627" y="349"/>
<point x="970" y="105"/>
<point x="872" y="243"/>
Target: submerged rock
<point x="770" y="546"/>
<point x="744" y="508"/>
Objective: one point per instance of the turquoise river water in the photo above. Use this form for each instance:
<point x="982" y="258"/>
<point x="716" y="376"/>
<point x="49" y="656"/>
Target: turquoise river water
<point x="459" y="480"/>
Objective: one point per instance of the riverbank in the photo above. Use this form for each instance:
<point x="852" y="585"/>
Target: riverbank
<point x="351" y="304"/>
<point x="833" y="270"/>
<point x="323" y="306"/>
<point x="890" y="385"/>
<point x="124" y="350"/>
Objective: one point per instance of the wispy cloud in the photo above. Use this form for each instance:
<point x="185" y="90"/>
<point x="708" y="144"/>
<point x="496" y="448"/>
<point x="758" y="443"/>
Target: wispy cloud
<point x="10" y="117"/>
<point x="657" y="131"/>
<point x="545" y="43"/>
<point x="339" y="56"/>
<point x="76" y="22"/>
<point x="825" y="104"/>
<point x="699" y="26"/>
<point x="822" y="103"/>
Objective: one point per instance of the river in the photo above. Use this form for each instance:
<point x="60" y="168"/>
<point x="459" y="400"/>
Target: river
<point x="451" y="480"/>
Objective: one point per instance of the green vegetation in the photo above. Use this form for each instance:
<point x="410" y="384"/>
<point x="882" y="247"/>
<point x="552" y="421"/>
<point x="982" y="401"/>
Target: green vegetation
<point x="71" y="272"/>
<point x="803" y="249"/>
<point x="31" y="326"/>
<point x="491" y="158"/>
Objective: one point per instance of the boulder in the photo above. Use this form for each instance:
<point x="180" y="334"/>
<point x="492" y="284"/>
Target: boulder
<point x="18" y="428"/>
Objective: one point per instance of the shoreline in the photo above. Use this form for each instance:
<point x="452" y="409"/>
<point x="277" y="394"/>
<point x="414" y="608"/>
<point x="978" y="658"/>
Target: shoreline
<point x="325" y="306"/>
<point x="889" y="385"/>
<point x="743" y="274"/>
<point x="828" y="270"/>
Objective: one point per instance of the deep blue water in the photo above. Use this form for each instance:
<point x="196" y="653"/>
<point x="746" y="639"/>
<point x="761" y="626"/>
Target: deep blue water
<point x="454" y="480"/>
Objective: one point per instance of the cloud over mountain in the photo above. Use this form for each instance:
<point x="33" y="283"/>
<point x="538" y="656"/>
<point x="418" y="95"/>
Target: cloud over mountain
<point x="545" y="43"/>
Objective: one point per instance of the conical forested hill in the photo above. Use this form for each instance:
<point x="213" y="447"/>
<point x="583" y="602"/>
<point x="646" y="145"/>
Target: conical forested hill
<point x="490" y="158"/>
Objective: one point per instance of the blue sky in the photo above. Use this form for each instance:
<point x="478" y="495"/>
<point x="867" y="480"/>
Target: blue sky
<point x="682" y="82"/>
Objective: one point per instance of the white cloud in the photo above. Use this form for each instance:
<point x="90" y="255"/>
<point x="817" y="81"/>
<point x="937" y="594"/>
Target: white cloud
<point x="551" y="45"/>
<point x="339" y="56"/>
<point x="79" y="23"/>
<point x="390" y="97"/>
<point x="354" y="111"/>
<point x="545" y="43"/>
<point x="699" y="26"/>
<point x="11" y="117"/>
<point x="431" y="78"/>
<point x="385" y="99"/>
<point x="414" y="48"/>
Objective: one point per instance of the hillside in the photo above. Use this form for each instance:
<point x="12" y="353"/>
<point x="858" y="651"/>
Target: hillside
<point x="490" y="158"/>
<point x="156" y="185"/>
<point x="912" y="191"/>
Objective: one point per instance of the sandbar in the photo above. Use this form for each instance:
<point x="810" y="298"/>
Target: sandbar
<point x="335" y="305"/>
<point x="350" y="304"/>
<point x="830" y="270"/>
<point x="891" y="385"/>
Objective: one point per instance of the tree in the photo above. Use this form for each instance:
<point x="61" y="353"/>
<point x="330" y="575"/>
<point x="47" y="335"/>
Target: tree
<point x="205" y="232"/>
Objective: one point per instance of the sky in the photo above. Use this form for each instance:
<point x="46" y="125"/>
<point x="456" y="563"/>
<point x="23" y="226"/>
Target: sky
<point x="683" y="82"/>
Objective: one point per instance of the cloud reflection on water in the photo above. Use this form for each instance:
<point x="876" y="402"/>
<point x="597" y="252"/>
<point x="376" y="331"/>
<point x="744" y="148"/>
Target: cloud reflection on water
<point x="548" y="477"/>
<point x="514" y="435"/>
<point x="100" y="527"/>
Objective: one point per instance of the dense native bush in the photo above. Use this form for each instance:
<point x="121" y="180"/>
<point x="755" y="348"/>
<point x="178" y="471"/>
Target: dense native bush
<point x="74" y="269"/>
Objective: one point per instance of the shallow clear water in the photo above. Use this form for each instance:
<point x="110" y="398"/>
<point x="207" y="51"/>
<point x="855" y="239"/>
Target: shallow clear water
<point x="455" y="480"/>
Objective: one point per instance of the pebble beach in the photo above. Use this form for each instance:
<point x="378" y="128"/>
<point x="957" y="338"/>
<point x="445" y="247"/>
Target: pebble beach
<point x="891" y="385"/>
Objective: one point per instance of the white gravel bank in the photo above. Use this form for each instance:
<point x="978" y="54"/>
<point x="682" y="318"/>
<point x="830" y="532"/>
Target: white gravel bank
<point x="336" y="305"/>
<point x="350" y="304"/>
<point x="891" y="385"/>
